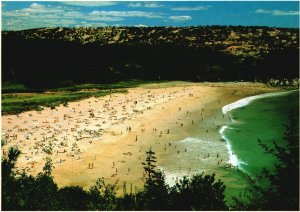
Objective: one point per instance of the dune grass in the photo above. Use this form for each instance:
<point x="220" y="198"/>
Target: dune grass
<point x="17" y="98"/>
<point x="20" y="88"/>
<point x="17" y="103"/>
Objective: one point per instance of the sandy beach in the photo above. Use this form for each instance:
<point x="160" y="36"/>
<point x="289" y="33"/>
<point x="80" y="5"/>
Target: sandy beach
<point x="108" y="136"/>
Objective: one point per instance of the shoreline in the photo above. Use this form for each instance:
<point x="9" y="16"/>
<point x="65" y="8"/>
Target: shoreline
<point x="245" y="101"/>
<point x="115" y="152"/>
<point x="233" y="158"/>
<point x="237" y="140"/>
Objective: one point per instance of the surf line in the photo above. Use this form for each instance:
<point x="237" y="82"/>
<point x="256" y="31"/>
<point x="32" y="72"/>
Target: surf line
<point x="245" y="101"/>
<point x="233" y="159"/>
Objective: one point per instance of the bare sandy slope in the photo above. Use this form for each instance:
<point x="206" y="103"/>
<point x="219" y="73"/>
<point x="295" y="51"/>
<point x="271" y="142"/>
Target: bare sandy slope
<point x="86" y="147"/>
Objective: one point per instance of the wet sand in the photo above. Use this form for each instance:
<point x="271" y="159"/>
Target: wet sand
<point x="108" y="136"/>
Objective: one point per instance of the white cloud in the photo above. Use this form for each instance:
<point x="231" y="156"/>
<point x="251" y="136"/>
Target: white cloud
<point x="276" y="12"/>
<point x="42" y="15"/>
<point x="145" y="4"/>
<point x="38" y="15"/>
<point x="38" y="8"/>
<point x="90" y="3"/>
<point x="140" y="14"/>
<point x="191" y="8"/>
<point x="19" y="23"/>
<point x="180" y="18"/>
<point x="152" y="5"/>
<point x="87" y="24"/>
<point x="135" y="5"/>
<point x="140" y="25"/>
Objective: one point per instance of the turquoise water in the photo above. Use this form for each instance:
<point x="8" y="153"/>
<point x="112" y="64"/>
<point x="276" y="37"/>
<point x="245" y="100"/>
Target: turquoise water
<point x="262" y="119"/>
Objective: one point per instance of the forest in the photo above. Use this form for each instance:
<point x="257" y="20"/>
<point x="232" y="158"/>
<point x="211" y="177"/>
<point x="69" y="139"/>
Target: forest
<point x="57" y="57"/>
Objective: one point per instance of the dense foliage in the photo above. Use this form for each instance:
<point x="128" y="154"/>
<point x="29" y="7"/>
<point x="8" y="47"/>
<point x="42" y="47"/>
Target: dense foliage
<point x="63" y="56"/>
<point x="24" y="192"/>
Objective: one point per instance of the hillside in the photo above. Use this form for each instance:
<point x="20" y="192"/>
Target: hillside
<point x="213" y="53"/>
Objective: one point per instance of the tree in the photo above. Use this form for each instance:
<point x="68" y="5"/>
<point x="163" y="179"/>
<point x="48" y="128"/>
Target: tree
<point x="9" y="162"/>
<point x="149" y="168"/>
<point x="48" y="166"/>
<point x="199" y="193"/>
<point x="155" y="194"/>
<point x="102" y="196"/>
<point x="8" y="177"/>
<point x="73" y="198"/>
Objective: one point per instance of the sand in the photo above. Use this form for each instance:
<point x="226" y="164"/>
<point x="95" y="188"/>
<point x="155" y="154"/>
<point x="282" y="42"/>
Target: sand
<point x="108" y="136"/>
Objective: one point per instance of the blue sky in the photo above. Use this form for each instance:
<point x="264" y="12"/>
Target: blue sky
<point x="33" y="14"/>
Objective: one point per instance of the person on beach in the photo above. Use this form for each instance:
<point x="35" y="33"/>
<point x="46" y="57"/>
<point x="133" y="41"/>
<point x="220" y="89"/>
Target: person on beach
<point x="136" y="138"/>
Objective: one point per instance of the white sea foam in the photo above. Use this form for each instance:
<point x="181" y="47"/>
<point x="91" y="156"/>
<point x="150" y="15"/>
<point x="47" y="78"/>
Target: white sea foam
<point x="233" y="159"/>
<point x="171" y="178"/>
<point x="247" y="100"/>
<point x="189" y="140"/>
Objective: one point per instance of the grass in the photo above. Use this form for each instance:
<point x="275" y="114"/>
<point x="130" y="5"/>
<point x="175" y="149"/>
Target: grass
<point x="17" y="103"/>
<point x="17" y="98"/>
<point x="19" y="88"/>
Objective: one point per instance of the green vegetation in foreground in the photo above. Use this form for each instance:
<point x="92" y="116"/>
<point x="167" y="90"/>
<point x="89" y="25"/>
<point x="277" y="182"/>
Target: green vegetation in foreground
<point x="201" y="192"/>
<point x="25" y="192"/>
<point x="17" y="103"/>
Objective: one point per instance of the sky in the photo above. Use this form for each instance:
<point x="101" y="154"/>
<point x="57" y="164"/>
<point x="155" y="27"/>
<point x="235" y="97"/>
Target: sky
<point x="35" y="14"/>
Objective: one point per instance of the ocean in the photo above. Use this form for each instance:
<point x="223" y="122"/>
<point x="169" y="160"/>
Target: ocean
<point x="259" y="117"/>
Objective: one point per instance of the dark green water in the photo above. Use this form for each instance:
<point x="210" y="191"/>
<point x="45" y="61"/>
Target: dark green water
<point x="262" y="119"/>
